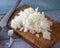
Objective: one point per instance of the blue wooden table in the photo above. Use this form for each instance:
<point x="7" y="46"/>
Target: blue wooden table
<point x="50" y="7"/>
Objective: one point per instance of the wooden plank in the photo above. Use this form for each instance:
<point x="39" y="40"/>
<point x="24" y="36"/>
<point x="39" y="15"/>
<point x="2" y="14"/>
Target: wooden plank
<point x="32" y="39"/>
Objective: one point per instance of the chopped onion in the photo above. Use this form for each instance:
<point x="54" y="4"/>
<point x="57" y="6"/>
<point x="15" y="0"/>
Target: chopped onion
<point x="31" y="19"/>
<point x="37" y="35"/>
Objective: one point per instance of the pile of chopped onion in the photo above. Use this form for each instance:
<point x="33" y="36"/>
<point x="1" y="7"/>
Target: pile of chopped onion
<point x="32" y="20"/>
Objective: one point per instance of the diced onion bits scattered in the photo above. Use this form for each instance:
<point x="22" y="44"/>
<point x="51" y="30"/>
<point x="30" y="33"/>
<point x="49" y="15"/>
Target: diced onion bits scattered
<point x="32" y="20"/>
<point x="37" y="35"/>
<point x="10" y="33"/>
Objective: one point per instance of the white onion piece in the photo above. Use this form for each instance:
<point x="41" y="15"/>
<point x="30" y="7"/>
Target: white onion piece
<point x="37" y="35"/>
<point x="46" y="35"/>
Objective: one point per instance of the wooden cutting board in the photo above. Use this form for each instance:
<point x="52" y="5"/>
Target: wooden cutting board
<point x="32" y="39"/>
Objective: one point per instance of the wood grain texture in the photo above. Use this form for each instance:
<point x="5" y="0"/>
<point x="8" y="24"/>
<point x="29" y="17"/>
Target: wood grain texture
<point x="32" y="39"/>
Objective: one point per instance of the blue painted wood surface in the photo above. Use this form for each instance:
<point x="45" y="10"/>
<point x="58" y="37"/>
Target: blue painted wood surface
<point x="5" y="5"/>
<point x="50" y="7"/>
